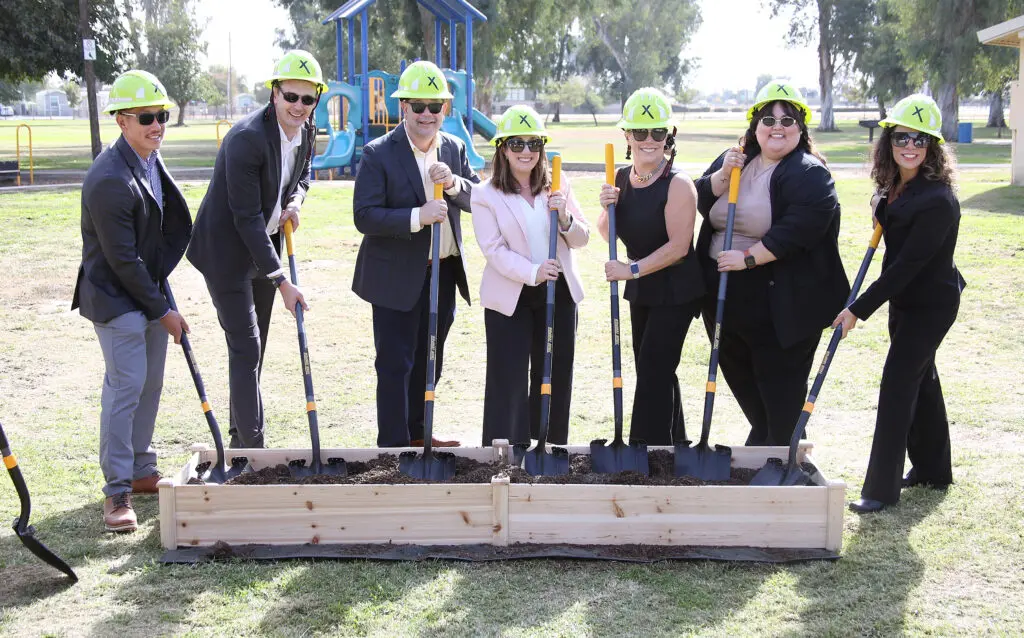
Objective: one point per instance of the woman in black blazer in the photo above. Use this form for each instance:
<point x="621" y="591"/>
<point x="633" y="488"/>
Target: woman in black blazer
<point x="789" y="280"/>
<point x="920" y="218"/>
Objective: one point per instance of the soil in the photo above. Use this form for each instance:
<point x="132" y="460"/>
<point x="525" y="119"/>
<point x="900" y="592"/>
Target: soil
<point x="384" y="470"/>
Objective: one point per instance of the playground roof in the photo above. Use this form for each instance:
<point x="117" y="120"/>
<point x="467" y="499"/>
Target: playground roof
<point x="450" y="10"/>
<point x="1007" y="34"/>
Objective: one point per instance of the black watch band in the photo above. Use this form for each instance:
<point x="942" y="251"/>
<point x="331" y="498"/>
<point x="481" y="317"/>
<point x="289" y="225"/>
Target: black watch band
<point x="748" y="260"/>
<point x="278" y="281"/>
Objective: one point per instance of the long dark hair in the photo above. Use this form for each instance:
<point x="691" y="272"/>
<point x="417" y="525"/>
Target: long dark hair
<point x="670" y="146"/>
<point x="749" y="140"/>
<point x="939" y="163"/>
<point x="503" y="179"/>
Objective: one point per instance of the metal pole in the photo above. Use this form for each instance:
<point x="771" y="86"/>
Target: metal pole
<point x="469" y="77"/>
<point x="453" y="59"/>
<point x="365" y="49"/>
<point x="90" y="80"/>
<point x="437" y="41"/>
<point x="338" y="50"/>
<point x="352" y="51"/>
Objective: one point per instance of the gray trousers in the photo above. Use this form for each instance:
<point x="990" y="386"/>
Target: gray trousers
<point x="134" y="351"/>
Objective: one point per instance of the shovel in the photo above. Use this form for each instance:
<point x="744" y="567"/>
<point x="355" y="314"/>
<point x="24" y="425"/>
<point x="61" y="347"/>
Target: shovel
<point x="298" y="467"/>
<point x="773" y="472"/>
<point x="537" y="461"/>
<point x="616" y="456"/>
<point x="218" y="472"/>
<point x="430" y="466"/>
<point x="26" y="533"/>
<point x="701" y="460"/>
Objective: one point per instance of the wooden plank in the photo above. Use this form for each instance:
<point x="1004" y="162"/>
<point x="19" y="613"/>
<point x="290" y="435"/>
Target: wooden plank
<point x="834" y="518"/>
<point x="261" y="458"/>
<point x="168" y="528"/>
<point x="499" y="496"/>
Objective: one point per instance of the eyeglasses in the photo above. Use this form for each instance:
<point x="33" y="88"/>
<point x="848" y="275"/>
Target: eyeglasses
<point x="146" y="119"/>
<point x="292" y="98"/>
<point x="516" y="145"/>
<point x="419" y="107"/>
<point x="657" y="134"/>
<point x="786" y="121"/>
<point x="902" y="139"/>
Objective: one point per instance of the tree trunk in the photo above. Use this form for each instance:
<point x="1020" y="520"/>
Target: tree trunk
<point x="181" y="112"/>
<point x="949" y="105"/>
<point x="826" y="67"/>
<point x="881" y="109"/>
<point x="557" y="115"/>
<point x="995" y="111"/>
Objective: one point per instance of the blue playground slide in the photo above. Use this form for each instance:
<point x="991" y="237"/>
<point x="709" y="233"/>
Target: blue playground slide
<point x="453" y="125"/>
<point x="484" y="126"/>
<point x="341" y="145"/>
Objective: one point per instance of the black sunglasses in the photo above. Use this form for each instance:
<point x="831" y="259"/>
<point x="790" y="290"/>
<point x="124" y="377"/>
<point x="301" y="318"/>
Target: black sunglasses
<point x="903" y="138"/>
<point x="786" y="121"/>
<point x="657" y="134"/>
<point x="516" y="145"/>
<point x="292" y="98"/>
<point x="419" y="107"/>
<point x="146" y="119"/>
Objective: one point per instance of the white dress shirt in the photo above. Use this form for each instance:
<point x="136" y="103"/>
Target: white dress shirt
<point x="538" y="229"/>
<point x="289" y="156"/>
<point x="449" y="247"/>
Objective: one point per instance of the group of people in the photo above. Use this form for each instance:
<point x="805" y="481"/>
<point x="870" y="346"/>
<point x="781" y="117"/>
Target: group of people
<point x="787" y="280"/>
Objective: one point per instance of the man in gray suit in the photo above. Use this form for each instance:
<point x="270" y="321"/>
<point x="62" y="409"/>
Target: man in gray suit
<point x="259" y="183"/>
<point x="135" y="226"/>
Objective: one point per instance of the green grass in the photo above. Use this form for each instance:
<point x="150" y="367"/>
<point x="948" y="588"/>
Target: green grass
<point x="935" y="565"/>
<point x="64" y="144"/>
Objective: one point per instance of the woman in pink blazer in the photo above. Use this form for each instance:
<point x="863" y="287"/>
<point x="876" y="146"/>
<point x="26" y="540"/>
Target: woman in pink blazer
<point x="511" y="220"/>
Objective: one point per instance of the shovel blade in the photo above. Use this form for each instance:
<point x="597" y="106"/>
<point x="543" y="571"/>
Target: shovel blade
<point x="216" y="475"/>
<point x="776" y="472"/>
<point x="703" y="461"/>
<point x="439" y="466"/>
<point x="239" y="465"/>
<point x="539" y="462"/>
<point x="27" y="536"/>
<point x="617" y="456"/>
<point x="300" y="469"/>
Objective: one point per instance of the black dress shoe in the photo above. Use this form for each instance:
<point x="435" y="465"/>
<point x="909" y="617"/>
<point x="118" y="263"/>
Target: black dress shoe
<point x="911" y="480"/>
<point x="866" y="506"/>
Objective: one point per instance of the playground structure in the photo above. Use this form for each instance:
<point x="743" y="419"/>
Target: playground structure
<point x="353" y="112"/>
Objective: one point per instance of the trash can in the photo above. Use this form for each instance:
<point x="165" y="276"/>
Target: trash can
<point x="965" y="133"/>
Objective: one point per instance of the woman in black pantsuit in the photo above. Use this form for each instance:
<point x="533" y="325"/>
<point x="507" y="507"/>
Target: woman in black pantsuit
<point x="920" y="218"/>
<point x="787" y="280"/>
<point x="655" y="208"/>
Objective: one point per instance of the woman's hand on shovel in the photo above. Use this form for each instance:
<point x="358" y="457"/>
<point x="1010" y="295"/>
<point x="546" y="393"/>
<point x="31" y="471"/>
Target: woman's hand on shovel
<point x="292" y="296"/>
<point x="847" y="320"/>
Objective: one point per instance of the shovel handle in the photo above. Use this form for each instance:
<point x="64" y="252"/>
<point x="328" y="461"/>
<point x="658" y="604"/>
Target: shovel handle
<point x="609" y="177"/>
<point x="549" y="315"/>
<point x="435" y="283"/>
<point x="11" y="463"/>
<point x="734" y="185"/>
<point x="288" y="230"/>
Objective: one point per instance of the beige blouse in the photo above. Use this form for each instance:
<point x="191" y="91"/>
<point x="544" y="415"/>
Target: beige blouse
<point x="753" y="209"/>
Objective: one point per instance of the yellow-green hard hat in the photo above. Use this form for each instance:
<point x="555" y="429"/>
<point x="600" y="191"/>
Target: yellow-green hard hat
<point x="520" y="119"/>
<point x="646" y="108"/>
<point x="778" y="90"/>
<point x="919" y="112"/>
<point x="422" y="81"/>
<point x="298" y="65"/>
<point x="134" y="89"/>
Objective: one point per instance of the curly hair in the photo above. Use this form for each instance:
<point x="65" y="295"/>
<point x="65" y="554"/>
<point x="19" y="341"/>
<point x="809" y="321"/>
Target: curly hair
<point x="752" y="149"/>
<point x="503" y="179"/>
<point x="939" y="163"/>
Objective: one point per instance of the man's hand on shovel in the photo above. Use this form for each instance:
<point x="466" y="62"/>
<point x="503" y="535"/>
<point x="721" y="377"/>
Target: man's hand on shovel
<point x="175" y="325"/>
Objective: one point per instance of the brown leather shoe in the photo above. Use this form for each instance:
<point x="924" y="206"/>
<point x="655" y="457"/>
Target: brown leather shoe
<point x="434" y="443"/>
<point x="118" y="513"/>
<point x="146" y="484"/>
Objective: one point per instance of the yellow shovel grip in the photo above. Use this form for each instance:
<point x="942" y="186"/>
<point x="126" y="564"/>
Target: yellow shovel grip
<point x="609" y="164"/>
<point x="288" y="237"/>
<point x="876" y="236"/>
<point x="438" y="191"/>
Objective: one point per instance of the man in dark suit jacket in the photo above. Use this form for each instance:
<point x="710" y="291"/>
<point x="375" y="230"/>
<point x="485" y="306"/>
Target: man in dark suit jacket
<point x="394" y="209"/>
<point x="259" y="183"/>
<point x="135" y="226"/>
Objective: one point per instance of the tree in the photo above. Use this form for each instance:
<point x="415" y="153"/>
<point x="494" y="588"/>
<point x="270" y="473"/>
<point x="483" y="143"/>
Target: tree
<point x="762" y="81"/>
<point x="73" y="91"/>
<point x="839" y="28"/>
<point x="885" y="73"/>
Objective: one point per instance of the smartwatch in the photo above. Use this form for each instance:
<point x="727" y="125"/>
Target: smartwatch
<point x="749" y="260"/>
<point x="278" y="281"/>
<point x="635" y="269"/>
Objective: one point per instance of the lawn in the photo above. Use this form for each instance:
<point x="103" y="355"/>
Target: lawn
<point x="939" y="564"/>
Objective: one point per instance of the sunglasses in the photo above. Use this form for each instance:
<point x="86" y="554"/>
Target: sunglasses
<point x="786" y="121"/>
<point x="657" y="134"/>
<point x="292" y="98"/>
<point x="516" y="145"/>
<point x="419" y="107"/>
<point x="902" y="139"/>
<point x="146" y="119"/>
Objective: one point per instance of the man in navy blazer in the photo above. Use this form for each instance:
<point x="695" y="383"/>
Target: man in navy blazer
<point x="259" y="183"/>
<point x="394" y="208"/>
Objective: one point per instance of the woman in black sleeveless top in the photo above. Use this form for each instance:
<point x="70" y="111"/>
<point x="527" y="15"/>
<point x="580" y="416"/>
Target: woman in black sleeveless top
<point x="655" y="209"/>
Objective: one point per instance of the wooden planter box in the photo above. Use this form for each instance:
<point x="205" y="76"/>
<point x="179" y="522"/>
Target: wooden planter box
<point x="499" y="513"/>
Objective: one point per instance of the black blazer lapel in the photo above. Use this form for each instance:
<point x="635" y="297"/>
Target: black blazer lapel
<point x="271" y="128"/>
<point x="300" y="164"/>
<point x="132" y="159"/>
<point x="403" y="150"/>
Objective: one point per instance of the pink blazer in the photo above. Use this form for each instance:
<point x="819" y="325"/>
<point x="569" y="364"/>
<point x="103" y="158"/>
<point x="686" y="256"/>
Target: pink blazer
<point x="500" y="231"/>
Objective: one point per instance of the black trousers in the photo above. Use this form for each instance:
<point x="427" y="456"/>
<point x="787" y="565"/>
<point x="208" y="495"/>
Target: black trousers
<point x="243" y="310"/>
<point x="768" y="380"/>
<point x="911" y="415"/>
<point x="400" y="339"/>
<point x="515" y="367"/>
<point x="658" y="336"/>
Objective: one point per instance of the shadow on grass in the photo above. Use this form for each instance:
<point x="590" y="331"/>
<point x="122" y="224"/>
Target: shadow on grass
<point x="1004" y="199"/>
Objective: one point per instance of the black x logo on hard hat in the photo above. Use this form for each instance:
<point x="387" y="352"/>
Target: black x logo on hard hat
<point x="156" y="89"/>
<point x="523" y="120"/>
<point x="917" y="111"/>
<point x="431" y="79"/>
<point x="781" y="88"/>
<point x="303" y="65"/>
<point x="647" y="110"/>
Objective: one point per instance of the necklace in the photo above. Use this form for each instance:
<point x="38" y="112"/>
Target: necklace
<point x="645" y="178"/>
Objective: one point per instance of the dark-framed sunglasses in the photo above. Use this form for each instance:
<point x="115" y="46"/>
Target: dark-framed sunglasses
<point x="292" y="98"/>
<point x="903" y="138"/>
<point x="657" y="134"/>
<point x="517" y="144"/>
<point x="433" y="107"/>
<point x="146" y="119"/>
<point x="786" y="121"/>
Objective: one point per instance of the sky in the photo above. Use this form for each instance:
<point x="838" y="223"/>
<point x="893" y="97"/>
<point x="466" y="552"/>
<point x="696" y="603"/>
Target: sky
<point x="725" y="42"/>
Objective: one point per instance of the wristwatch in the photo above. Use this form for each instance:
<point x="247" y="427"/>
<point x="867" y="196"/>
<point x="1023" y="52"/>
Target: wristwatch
<point x="749" y="260"/>
<point x="635" y="269"/>
<point x="278" y="281"/>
